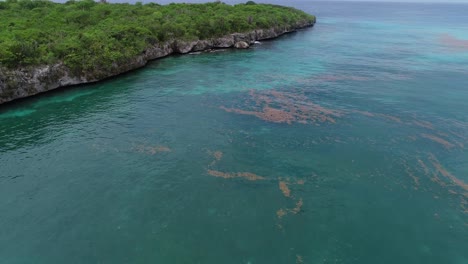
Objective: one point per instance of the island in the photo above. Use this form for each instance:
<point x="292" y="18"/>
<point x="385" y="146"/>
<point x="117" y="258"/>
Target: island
<point x="46" y="45"/>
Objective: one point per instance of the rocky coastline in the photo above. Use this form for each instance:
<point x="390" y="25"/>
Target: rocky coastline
<point x="25" y="82"/>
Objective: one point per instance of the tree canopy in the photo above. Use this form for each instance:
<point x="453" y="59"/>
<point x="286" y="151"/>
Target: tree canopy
<point x="84" y="34"/>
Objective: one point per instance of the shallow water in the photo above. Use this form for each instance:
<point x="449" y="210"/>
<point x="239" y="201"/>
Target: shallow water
<point x="345" y="143"/>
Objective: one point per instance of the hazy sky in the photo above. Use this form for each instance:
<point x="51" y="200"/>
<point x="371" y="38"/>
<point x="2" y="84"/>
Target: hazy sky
<point x="283" y="1"/>
<point x="270" y="1"/>
<point x="406" y="1"/>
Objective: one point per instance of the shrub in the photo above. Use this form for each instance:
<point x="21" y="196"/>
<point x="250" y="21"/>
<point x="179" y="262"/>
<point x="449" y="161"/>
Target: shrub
<point x="86" y="34"/>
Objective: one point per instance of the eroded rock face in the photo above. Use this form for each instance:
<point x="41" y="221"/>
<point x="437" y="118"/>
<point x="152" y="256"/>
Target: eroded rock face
<point x="29" y="81"/>
<point x="183" y="47"/>
<point x="203" y="45"/>
<point x="241" y="45"/>
<point x="223" y="42"/>
<point x="24" y="82"/>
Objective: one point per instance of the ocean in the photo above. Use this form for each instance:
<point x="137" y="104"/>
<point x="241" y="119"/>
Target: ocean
<point x="342" y="143"/>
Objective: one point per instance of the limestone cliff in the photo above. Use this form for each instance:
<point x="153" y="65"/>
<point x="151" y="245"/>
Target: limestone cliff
<point x="24" y="82"/>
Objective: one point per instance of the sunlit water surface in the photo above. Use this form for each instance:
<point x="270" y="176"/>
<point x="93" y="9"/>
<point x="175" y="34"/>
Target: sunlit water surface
<point x="345" y="143"/>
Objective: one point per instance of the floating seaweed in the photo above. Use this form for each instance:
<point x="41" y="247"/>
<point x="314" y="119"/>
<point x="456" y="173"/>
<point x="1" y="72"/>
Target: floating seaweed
<point x="442" y="171"/>
<point x="282" y="183"/>
<point x="453" y="42"/>
<point x="250" y="176"/>
<point x="439" y="140"/>
<point x="411" y="174"/>
<point x="298" y="207"/>
<point x="227" y="175"/>
<point x="365" y="113"/>
<point x="423" y="124"/>
<point x="423" y="166"/>
<point x="218" y="155"/>
<point x="280" y="213"/>
<point x="300" y="182"/>
<point x="438" y="174"/>
<point x="267" y="114"/>
<point x="284" y="188"/>
<point x="284" y="107"/>
<point x="464" y="205"/>
<point x="391" y="118"/>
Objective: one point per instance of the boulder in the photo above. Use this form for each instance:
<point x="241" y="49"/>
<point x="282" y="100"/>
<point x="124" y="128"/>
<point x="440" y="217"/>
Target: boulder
<point x="241" y="45"/>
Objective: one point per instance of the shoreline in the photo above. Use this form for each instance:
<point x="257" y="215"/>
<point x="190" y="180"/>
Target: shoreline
<point x="27" y="82"/>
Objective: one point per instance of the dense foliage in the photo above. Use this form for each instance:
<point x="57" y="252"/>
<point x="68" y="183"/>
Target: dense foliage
<point x="85" y="34"/>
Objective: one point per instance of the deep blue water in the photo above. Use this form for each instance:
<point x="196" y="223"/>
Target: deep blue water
<point x="344" y="143"/>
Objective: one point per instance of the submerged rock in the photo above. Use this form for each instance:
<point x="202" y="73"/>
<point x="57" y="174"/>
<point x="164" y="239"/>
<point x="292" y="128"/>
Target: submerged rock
<point x="241" y="45"/>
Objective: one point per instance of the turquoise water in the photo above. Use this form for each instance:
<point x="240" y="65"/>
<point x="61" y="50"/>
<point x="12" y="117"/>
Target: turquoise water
<point x="345" y="143"/>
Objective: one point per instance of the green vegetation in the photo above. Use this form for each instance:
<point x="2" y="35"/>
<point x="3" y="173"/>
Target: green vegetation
<point x="86" y="34"/>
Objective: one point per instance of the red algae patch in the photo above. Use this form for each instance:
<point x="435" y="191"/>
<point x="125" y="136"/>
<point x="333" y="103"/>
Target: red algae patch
<point x="388" y="117"/>
<point x="441" y="170"/>
<point x="280" y="213"/>
<point x="267" y="114"/>
<point x="298" y="207"/>
<point x="423" y="124"/>
<point x="250" y="176"/>
<point x="453" y="42"/>
<point x="463" y="204"/>
<point x="276" y="115"/>
<point x="221" y="174"/>
<point x="300" y="182"/>
<point x="285" y="107"/>
<point x="410" y="173"/>
<point x="365" y="113"/>
<point x="391" y="118"/>
<point x="226" y="175"/>
<point x="451" y="181"/>
<point x="423" y="166"/>
<point x="439" y="140"/>
<point x="284" y="188"/>
<point x="218" y="155"/>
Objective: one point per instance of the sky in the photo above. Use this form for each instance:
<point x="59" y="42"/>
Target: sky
<point x="271" y="1"/>
<point x="282" y="1"/>
<point x="411" y="1"/>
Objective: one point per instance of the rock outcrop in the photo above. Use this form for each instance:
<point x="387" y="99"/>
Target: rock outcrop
<point x="28" y="81"/>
